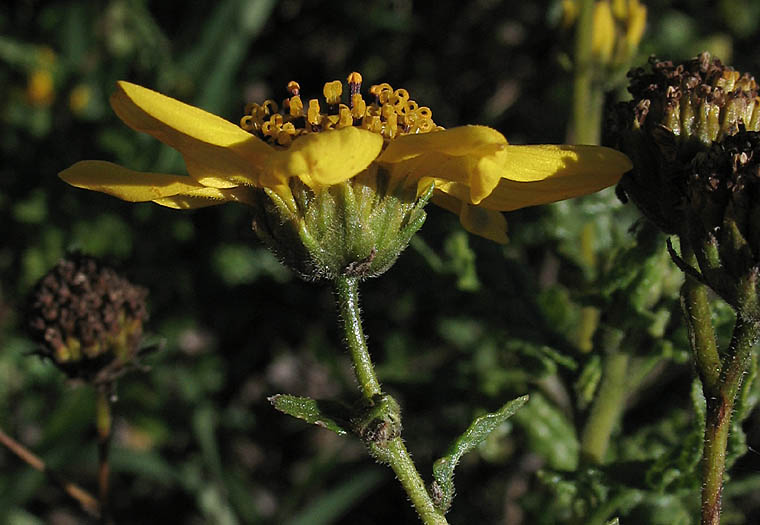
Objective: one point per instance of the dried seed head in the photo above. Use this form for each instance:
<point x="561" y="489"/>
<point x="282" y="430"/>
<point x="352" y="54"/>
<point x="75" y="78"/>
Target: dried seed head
<point x="85" y="316"/>
<point x="677" y="111"/>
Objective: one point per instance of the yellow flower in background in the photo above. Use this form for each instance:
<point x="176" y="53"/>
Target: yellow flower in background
<point x="40" y="83"/>
<point x="40" y="89"/>
<point x="475" y="172"/>
<point x="79" y="98"/>
<point x="617" y="28"/>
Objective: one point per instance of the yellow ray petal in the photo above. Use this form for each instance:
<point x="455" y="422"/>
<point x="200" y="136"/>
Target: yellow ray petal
<point x="480" y="221"/>
<point x="217" y="152"/>
<point x="534" y="163"/>
<point x="126" y="184"/>
<point x="479" y="175"/>
<point x="187" y="202"/>
<point x="329" y="157"/>
<point x="510" y="195"/>
<point x="464" y="140"/>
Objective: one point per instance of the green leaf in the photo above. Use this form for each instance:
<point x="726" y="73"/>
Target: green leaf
<point x="479" y="429"/>
<point x="326" y="414"/>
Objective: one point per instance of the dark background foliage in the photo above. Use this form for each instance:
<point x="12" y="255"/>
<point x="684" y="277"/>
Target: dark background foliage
<point x="458" y="327"/>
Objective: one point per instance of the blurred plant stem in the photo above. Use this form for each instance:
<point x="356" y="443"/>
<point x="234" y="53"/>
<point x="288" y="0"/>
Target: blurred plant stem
<point x="721" y="379"/>
<point x="88" y="502"/>
<point x="103" y="425"/>
<point x="381" y="429"/>
<point x="588" y="102"/>
<point x="609" y="400"/>
<point x="588" y="96"/>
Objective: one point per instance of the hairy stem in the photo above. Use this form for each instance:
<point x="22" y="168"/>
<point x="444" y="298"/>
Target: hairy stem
<point x="381" y="429"/>
<point x="718" y="422"/>
<point x="347" y="296"/>
<point x="696" y="309"/>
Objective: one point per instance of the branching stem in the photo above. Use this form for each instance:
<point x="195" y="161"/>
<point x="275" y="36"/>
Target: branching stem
<point x="386" y="449"/>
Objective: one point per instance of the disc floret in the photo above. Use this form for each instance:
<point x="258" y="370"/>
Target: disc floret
<point x="390" y="113"/>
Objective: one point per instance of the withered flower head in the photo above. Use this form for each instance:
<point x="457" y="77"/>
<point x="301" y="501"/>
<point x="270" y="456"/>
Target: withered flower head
<point x="723" y="214"/>
<point x="86" y="317"/>
<point x="676" y="112"/>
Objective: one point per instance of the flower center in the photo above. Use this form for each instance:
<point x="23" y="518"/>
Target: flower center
<point x="391" y="113"/>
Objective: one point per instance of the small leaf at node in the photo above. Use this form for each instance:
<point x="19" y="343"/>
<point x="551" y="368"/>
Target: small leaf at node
<point x="442" y="489"/>
<point x="326" y="414"/>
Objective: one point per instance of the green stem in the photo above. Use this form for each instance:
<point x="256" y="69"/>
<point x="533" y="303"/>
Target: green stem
<point x="394" y="453"/>
<point x="383" y="439"/>
<point x="696" y="308"/>
<point x="718" y="422"/>
<point x="587" y="95"/>
<point x="347" y="296"/>
<point x="103" y="424"/>
<point x="608" y="403"/>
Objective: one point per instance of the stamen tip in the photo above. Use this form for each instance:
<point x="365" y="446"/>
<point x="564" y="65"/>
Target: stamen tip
<point x="294" y="88"/>
<point x="354" y="78"/>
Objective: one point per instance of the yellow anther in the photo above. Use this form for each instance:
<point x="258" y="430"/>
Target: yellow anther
<point x="425" y="125"/>
<point x="270" y="106"/>
<point x="384" y="92"/>
<point x="345" y="117"/>
<point x="424" y="112"/>
<point x="401" y="95"/>
<point x="380" y="92"/>
<point x="409" y="108"/>
<point x="358" y="106"/>
<point x="354" y="83"/>
<point x="246" y="122"/>
<point x="354" y="78"/>
<point x="332" y="91"/>
<point x="392" y="113"/>
<point x="296" y="106"/>
<point x="390" y="129"/>
<point x="313" y="115"/>
<point x="372" y="123"/>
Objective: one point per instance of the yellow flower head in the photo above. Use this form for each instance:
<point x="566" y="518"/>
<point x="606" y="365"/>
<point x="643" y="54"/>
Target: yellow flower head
<point x="283" y="150"/>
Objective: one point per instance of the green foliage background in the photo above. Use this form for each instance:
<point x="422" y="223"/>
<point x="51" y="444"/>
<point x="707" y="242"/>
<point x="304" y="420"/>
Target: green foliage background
<point x="458" y="327"/>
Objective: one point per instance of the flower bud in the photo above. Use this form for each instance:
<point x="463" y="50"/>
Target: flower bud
<point x="86" y="317"/>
